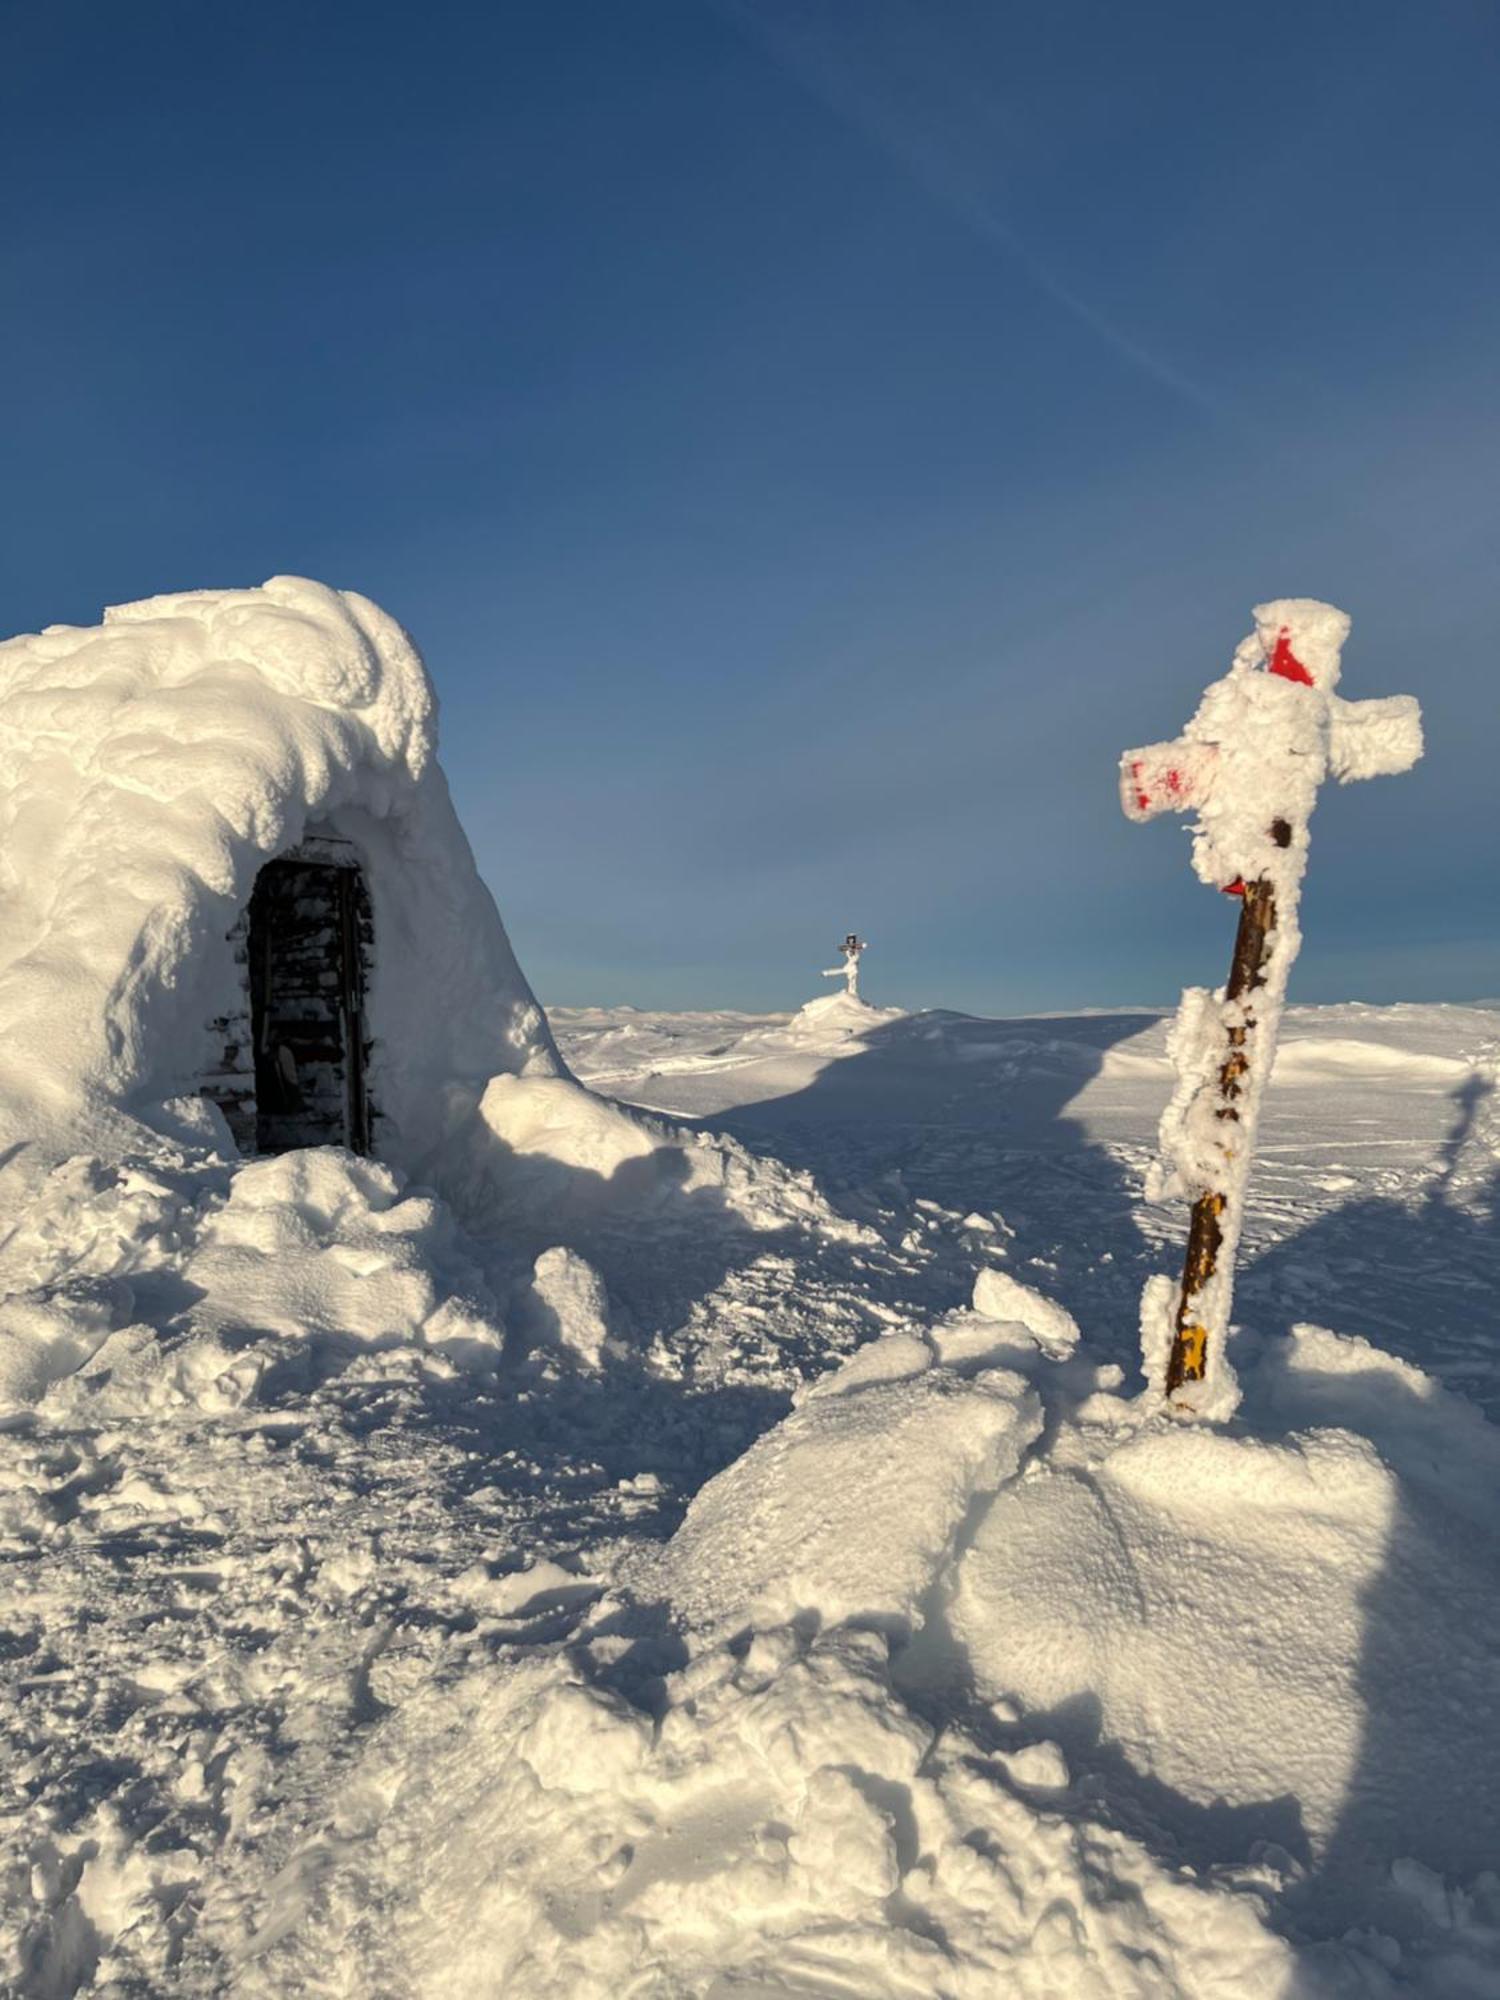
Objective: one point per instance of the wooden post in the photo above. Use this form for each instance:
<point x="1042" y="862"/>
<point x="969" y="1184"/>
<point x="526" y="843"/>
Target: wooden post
<point x="1189" y="1357"/>
<point x="1262" y="742"/>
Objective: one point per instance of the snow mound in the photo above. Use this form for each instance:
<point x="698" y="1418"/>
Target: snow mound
<point x="843" y="1511"/>
<point x="545" y="1156"/>
<point x="214" y="1289"/>
<point x="318" y="1245"/>
<point x="836" y="1017"/>
<point x="1301" y="1628"/>
<point x="148" y="768"/>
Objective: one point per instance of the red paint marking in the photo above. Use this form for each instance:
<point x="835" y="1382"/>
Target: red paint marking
<point x="1170" y="786"/>
<point x="1285" y="662"/>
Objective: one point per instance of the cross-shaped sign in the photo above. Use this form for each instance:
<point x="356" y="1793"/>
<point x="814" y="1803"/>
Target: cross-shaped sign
<point x="1248" y="765"/>
<point x="851" y="949"/>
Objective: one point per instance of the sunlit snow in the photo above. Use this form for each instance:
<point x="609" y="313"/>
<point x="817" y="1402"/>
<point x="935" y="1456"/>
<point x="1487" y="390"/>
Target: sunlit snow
<point x="686" y="1517"/>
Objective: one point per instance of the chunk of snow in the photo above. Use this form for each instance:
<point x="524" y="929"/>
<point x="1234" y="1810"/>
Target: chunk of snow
<point x="1041" y="1766"/>
<point x="846" y="1508"/>
<point x="569" y="1307"/>
<point x="316" y="1244"/>
<point x="999" y="1296"/>
<point x="1251" y="1622"/>
<point x="45" y="1336"/>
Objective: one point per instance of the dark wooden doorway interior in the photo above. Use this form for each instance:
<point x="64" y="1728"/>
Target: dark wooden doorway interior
<point x="309" y="925"/>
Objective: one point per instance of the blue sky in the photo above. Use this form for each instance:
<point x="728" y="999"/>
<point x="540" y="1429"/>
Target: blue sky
<point x="809" y="439"/>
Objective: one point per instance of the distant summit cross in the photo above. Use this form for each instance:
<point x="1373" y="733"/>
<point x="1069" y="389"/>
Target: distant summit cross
<point x="851" y="949"/>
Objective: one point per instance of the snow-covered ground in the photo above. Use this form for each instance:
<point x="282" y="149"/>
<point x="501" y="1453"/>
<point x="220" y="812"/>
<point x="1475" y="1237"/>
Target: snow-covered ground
<point x="751" y="1569"/>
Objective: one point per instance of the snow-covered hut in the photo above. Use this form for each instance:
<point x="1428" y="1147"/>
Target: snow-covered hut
<point x="230" y="870"/>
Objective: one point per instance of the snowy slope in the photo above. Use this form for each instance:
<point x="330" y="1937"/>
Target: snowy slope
<point x="756" y="1593"/>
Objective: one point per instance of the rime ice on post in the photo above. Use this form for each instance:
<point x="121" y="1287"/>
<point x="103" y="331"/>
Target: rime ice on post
<point x="1248" y="765"/>
<point x="851" y="948"/>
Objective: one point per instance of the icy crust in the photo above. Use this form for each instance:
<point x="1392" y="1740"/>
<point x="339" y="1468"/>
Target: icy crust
<point x="148" y="768"/>
<point x="1184" y="1754"/>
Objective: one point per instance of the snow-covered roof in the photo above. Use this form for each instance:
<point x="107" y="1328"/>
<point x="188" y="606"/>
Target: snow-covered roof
<point x="149" y="766"/>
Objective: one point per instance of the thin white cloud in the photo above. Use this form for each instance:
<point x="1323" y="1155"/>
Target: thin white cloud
<point x="825" y="60"/>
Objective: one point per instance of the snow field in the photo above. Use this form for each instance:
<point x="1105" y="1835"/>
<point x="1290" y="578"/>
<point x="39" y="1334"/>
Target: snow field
<point x="278" y="1439"/>
<point x="590" y="1553"/>
<point x="318" y="1505"/>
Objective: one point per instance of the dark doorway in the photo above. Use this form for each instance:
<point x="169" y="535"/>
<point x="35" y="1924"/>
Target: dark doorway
<point x="309" y="933"/>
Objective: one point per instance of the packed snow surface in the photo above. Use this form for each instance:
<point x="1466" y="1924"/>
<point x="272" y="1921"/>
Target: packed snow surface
<point x="716" y="1542"/>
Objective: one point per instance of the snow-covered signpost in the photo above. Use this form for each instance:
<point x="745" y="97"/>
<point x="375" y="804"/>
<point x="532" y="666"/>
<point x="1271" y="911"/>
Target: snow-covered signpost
<point x="851" y="948"/>
<point x="1249" y="765"/>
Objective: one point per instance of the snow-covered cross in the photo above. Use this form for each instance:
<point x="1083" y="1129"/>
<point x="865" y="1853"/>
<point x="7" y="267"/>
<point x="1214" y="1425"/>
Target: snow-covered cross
<point x="851" y="948"/>
<point x="1249" y="765"/>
